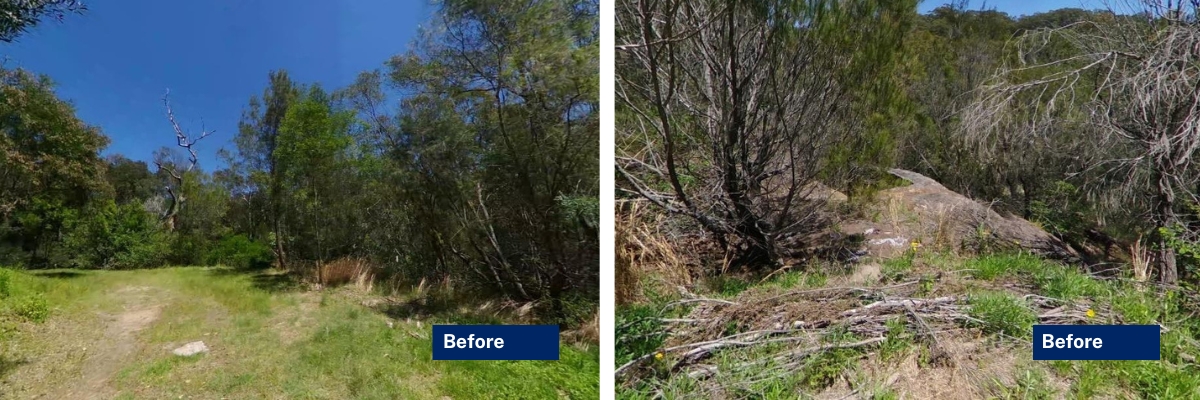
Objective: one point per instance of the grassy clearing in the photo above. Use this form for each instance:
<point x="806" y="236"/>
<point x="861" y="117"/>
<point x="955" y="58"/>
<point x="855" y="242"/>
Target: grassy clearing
<point x="266" y="341"/>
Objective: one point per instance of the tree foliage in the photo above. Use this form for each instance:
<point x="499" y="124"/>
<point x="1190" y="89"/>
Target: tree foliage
<point x="1121" y="93"/>
<point x="18" y="16"/>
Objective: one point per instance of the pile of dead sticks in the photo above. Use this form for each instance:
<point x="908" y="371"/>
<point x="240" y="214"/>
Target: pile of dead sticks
<point x="927" y="318"/>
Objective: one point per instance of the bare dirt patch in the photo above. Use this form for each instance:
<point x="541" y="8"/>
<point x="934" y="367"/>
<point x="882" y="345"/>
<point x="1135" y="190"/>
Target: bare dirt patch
<point x="980" y="369"/>
<point x="105" y="357"/>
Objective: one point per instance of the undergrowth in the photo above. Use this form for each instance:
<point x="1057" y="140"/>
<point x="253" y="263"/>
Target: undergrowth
<point x="994" y="309"/>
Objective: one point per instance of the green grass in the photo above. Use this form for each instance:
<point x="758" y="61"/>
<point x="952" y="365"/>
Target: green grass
<point x="1031" y="384"/>
<point x="264" y="343"/>
<point x="1002" y="312"/>
<point x="899" y="341"/>
<point x="793" y="279"/>
<point x="728" y="286"/>
<point x="992" y="266"/>
<point x="895" y="269"/>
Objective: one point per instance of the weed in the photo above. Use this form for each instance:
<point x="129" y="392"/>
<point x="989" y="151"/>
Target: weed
<point x="33" y="308"/>
<point x="1002" y="312"/>
<point x="927" y="284"/>
<point x="895" y="269"/>
<point x="1067" y="283"/>
<point x="1031" y="384"/>
<point x="992" y="266"/>
<point x="898" y="341"/>
<point x="639" y="332"/>
<point x="5" y="284"/>
<point x="823" y="369"/>
<point x="885" y="394"/>
<point x="728" y="286"/>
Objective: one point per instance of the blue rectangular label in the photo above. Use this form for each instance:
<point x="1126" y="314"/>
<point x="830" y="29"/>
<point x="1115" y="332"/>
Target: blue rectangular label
<point x="1096" y="342"/>
<point x="495" y="342"/>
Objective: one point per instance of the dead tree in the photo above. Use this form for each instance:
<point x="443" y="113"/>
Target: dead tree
<point x="175" y="189"/>
<point x="729" y="108"/>
<point x="1131" y="78"/>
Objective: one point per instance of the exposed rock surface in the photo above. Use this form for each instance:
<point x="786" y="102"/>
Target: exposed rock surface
<point x="928" y="213"/>
<point x="191" y="349"/>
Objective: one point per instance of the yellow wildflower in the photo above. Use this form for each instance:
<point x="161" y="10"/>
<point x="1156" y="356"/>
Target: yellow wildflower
<point x="1091" y="313"/>
<point x="658" y="355"/>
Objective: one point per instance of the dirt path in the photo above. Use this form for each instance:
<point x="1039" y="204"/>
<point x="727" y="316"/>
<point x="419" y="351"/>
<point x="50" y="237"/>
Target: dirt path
<point x="115" y="347"/>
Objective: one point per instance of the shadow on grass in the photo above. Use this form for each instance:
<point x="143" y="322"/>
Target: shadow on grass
<point x="266" y="279"/>
<point x="9" y="364"/>
<point x="58" y="274"/>
<point x="439" y="309"/>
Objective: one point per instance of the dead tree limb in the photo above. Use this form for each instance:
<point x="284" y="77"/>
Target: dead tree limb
<point x="175" y="188"/>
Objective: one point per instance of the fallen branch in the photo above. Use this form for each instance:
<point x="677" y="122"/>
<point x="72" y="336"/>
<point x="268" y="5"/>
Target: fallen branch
<point x="900" y="303"/>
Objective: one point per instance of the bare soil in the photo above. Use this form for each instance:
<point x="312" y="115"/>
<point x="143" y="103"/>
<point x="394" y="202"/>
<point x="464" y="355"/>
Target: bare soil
<point x="115" y="347"/>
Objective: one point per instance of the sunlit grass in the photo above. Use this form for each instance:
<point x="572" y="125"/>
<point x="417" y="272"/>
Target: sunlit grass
<point x="275" y="344"/>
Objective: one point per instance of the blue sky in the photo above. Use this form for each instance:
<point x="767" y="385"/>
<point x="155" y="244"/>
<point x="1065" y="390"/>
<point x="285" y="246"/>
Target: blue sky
<point x="1016" y="8"/>
<point x="116" y="61"/>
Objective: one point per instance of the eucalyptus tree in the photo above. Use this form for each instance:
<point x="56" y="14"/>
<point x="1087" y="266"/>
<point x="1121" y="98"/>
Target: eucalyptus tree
<point x="49" y="162"/>
<point x="256" y="156"/>
<point x="499" y="131"/>
<point x="18" y="16"/>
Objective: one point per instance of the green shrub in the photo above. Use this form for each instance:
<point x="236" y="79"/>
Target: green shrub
<point x="109" y="236"/>
<point x="239" y="251"/>
<point x="5" y="284"/>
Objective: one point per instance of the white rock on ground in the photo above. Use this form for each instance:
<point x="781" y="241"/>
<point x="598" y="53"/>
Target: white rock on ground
<point x="191" y="349"/>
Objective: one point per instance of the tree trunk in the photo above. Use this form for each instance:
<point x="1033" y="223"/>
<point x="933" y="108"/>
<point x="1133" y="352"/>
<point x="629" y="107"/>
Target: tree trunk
<point x="1168" y="272"/>
<point x="280" y="256"/>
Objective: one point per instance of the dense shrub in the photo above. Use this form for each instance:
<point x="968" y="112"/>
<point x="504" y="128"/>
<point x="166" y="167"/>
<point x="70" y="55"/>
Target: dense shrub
<point x="108" y="236"/>
<point x="239" y="251"/>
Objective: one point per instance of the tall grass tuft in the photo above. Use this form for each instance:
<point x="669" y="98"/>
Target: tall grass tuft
<point x="343" y="271"/>
<point x="644" y="251"/>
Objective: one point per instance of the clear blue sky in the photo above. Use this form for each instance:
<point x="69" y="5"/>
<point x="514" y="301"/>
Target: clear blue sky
<point x="116" y="61"/>
<point x="1016" y="8"/>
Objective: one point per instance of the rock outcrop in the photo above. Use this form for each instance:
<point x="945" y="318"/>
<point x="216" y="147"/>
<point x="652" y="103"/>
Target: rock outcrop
<point x="926" y="212"/>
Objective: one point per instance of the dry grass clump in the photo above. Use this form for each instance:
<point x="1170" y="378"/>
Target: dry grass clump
<point x="1139" y="260"/>
<point x="644" y="251"/>
<point x="346" y="270"/>
<point x="587" y="334"/>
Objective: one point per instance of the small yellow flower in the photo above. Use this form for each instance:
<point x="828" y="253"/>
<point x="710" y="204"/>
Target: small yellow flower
<point x="916" y="245"/>
<point x="1091" y="313"/>
<point x="658" y="355"/>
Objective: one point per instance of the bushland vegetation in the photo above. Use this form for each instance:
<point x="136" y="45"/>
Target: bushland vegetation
<point x="759" y="145"/>
<point x="470" y="160"/>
